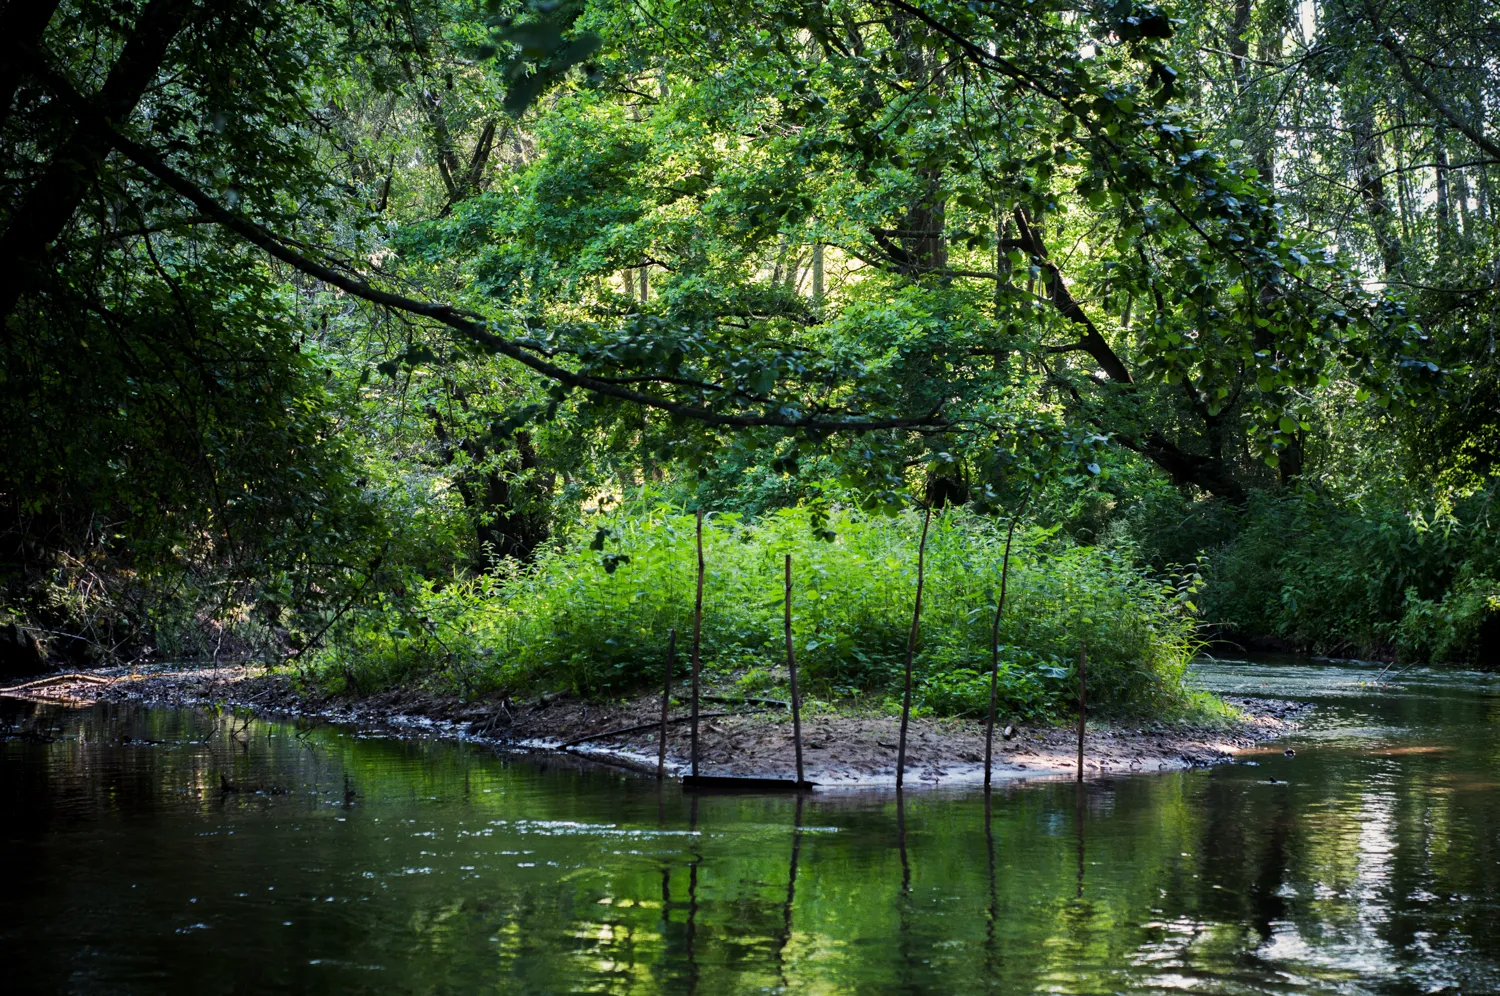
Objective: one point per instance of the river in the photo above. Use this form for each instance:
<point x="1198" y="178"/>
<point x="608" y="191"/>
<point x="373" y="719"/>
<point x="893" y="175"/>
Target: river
<point x="1368" y="862"/>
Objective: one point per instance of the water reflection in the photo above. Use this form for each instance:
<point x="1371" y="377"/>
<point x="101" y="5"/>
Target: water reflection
<point x="1367" y="863"/>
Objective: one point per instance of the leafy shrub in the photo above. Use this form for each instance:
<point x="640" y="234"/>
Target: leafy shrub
<point x="1368" y="575"/>
<point x="1454" y="628"/>
<point x="594" y="618"/>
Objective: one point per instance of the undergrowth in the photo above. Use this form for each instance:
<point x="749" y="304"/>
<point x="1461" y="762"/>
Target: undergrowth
<point x="1367" y="577"/>
<point x="594" y="618"/>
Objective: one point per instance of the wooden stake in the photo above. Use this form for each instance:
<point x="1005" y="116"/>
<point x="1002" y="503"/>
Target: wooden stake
<point x="697" y="640"/>
<point x="791" y="667"/>
<point x="911" y="651"/>
<point x="666" y="698"/>
<point x="989" y="723"/>
<point x="1083" y="661"/>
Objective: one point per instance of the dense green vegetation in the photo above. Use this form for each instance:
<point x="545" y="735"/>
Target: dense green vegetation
<point x="566" y="624"/>
<point x="331" y="328"/>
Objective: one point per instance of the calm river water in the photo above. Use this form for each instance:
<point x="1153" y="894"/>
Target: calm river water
<point x="1367" y="863"/>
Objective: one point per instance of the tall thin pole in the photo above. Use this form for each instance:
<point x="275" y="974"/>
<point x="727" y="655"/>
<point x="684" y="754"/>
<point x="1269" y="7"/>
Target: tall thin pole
<point x="911" y="651"/>
<point x="697" y="640"/>
<point x="791" y="667"/>
<point x="989" y="723"/>
<point x="666" y="698"/>
<point x="1083" y="662"/>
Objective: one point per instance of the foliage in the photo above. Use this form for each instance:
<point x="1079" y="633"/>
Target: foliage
<point x="1360" y="576"/>
<point x="1376" y="571"/>
<point x="596" y="623"/>
<point x="354" y="306"/>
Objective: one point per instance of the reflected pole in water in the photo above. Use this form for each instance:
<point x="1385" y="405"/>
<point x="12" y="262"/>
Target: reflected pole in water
<point x="901" y="842"/>
<point x="791" y="895"/>
<point x="697" y="643"/>
<point x="666" y="699"/>
<point x="692" y="920"/>
<point x="1078" y="819"/>
<point x="903" y="901"/>
<point x="911" y="650"/>
<point x="666" y="869"/>
<point x="989" y="845"/>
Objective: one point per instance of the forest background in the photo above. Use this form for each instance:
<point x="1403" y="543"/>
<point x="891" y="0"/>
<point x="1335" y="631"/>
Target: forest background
<point x="401" y="339"/>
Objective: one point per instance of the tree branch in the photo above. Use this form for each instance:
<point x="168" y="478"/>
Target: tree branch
<point x="1057" y="291"/>
<point x="473" y="327"/>
<point x="1438" y="104"/>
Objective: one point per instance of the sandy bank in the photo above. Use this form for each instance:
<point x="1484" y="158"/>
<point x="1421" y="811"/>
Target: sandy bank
<point x="840" y="749"/>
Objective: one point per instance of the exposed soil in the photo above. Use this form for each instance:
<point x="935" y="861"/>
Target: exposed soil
<point x="839" y="748"/>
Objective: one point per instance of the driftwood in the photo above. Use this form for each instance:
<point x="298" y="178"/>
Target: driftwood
<point x="911" y="651"/>
<point x="736" y="783"/>
<point x="654" y="725"/>
<point x="1083" y="663"/>
<point x="57" y="679"/>
<point x="697" y="643"/>
<point x="791" y="670"/>
<point x="746" y="700"/>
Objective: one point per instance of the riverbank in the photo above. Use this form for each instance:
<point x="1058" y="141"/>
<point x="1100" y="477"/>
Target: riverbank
<point x="752" y="737"/>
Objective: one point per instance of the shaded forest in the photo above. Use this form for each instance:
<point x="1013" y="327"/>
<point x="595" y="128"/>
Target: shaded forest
<point x="399" y="339"/>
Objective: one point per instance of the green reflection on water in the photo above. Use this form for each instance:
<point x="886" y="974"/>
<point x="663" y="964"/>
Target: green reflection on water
<point x="1370" y="862"/>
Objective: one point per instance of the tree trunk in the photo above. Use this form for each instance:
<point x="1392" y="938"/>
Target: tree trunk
<point x="507" y="500"/>
<point x="23" y="23"/>
<point x="1369" y="176"/>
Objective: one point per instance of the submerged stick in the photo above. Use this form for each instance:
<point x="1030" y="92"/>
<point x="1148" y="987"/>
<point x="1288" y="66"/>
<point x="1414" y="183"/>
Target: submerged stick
<point x="666" y="701"/>
<point x="989" y="723"/>
<point x="791" y="667"/>
<point x="697" y="640"/>
<point x="1083" y="661"/>
<point x="911" y="651"/>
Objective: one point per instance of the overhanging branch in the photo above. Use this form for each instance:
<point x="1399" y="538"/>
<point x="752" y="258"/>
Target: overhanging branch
<point x="470" y="326"/>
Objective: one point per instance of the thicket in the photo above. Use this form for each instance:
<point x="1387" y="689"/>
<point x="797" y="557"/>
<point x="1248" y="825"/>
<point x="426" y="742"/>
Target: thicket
<point x="596" y="621"/>
<point x="1370" y="567"/>
<point x="1376" y="576"/>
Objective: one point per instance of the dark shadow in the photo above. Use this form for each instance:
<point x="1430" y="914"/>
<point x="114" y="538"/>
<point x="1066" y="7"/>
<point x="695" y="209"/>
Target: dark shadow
<point x="692" y="921"/>
<point x="1266" y="903"/>
<point x="993" y="918"/>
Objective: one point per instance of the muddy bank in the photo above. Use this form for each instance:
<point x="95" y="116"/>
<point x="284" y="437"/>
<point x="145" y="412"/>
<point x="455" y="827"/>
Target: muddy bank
<point x="735" y="737"/>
